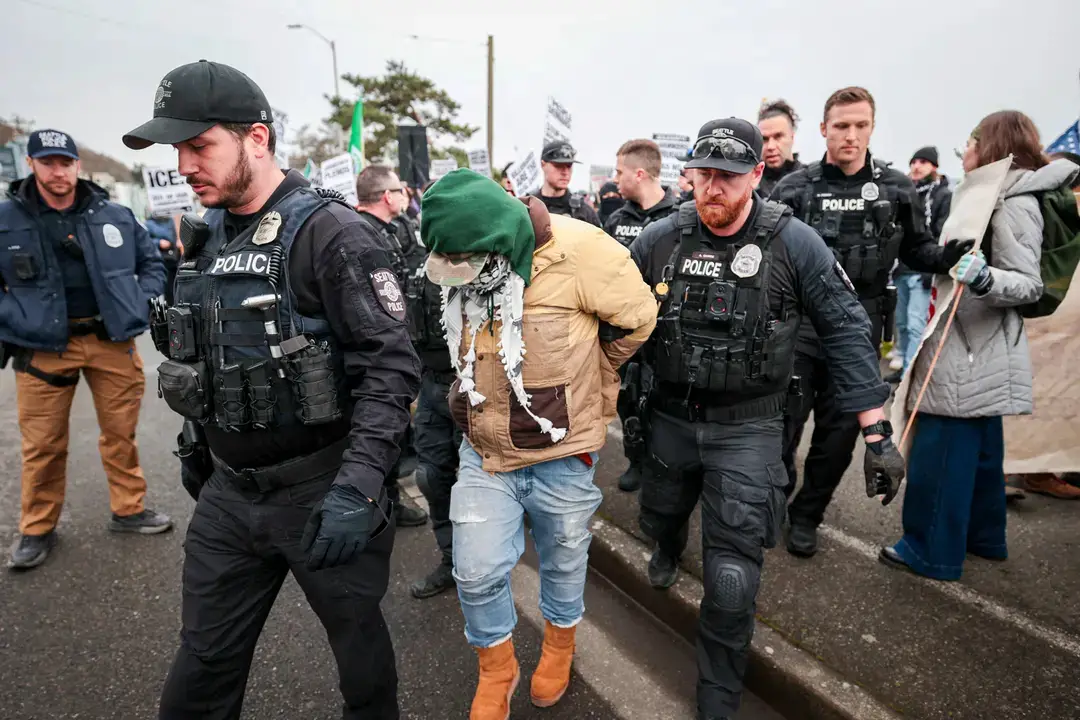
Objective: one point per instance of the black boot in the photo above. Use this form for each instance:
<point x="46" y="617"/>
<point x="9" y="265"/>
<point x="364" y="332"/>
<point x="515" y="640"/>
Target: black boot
<point x="630" y="480"/>
<point x="408" y="516"/>
<point x="406" y="466"/>
<point x="439" y="580"/>
<point x="663" y="569"/>
<point x="802" y="540"/>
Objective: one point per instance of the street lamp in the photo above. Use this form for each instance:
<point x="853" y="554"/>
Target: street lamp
<point x="328" y="41"/>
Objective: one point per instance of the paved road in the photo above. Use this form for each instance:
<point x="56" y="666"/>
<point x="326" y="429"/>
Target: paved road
<point x="90" y="634"/>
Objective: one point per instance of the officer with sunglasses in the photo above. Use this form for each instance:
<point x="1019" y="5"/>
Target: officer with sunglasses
<point x="734" y="275"/>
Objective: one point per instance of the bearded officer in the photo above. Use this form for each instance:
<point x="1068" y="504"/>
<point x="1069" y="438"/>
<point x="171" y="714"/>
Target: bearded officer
<point x="734" y="274"/>
<point x="637" y="172"/>
<point x="289" y="352"/>
<point x="869" y="214"/>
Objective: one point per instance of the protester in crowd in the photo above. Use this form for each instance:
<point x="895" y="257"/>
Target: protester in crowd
<point x="526" y="293"/>
<point x="162" y="230"/>
<point x="506" y="182"/>
<point x="912" y="288"/>
<point x="78" y="274"/>
<point x="380" y="202"/>
<point x="557" y="162"/>
<point x="777" y="122"/>
<point x="686" y="187"/>
<point x="955" y="502"/>
<point x="610" y="200"/>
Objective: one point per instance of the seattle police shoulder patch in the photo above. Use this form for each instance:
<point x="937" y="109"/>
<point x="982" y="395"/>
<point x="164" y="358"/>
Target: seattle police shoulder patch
<point x="388" y="292"/>
<point x="843" y="276"/>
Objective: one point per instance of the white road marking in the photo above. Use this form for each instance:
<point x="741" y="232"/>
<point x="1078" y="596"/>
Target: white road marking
<point x="955" y="591"/>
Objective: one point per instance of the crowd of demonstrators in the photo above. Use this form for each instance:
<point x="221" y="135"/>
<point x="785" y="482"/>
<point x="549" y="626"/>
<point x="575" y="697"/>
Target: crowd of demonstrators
<point x="526" y="293"/>
<point x="870" y="215"/>
<point x="913" y="288"/>
<point x="955" y="501"/>
<point x="78" y="273"/>
<point x="777" y="122"/>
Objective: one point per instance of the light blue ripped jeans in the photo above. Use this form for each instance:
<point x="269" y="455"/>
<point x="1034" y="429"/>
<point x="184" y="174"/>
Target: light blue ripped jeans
<point x="488" y="512"/>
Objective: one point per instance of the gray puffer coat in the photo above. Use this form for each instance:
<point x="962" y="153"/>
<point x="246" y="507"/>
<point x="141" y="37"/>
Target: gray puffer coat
<point x="985" y="367"/>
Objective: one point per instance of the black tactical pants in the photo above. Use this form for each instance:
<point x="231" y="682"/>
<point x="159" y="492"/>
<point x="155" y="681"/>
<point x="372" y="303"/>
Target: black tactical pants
<point x="436" y="439"/>
<point x="831" y="447"/>
<point x="736" y="470"/>
<point x="240" y="545"/>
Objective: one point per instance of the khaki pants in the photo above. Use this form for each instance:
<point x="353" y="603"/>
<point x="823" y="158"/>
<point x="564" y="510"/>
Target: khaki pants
<point x="114" y="372"/>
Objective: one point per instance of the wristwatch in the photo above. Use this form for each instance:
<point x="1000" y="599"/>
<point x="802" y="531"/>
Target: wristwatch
<point x="881" y="427"/>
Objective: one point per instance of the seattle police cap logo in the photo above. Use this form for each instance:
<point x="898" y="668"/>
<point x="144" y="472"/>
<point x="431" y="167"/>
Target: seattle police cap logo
<point x="747" y="261"/>
<point x="870" y="191"/>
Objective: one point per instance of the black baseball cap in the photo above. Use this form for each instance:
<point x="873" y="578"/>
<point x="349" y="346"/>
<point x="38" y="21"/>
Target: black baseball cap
<point x="711" y="151"/>
<point x="559" y="152"/>
<point x="194" y="98"/>
<point x="43" y="143"/>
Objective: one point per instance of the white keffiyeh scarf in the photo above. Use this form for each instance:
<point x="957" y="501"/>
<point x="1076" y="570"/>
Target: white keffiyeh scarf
<point x="497" y="295"/>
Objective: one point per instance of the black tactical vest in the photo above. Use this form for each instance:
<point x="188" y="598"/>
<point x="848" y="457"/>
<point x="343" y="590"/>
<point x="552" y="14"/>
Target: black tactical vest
<point x="241" y="355"/>
<point x="717" y="334"/>
<point x="859" y="225"/>
<point x="424" y="313"/>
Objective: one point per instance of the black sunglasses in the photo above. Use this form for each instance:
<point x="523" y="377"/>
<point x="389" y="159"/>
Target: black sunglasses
<point x="731" y="149"/>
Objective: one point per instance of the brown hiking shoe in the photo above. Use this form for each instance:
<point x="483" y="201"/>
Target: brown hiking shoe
<point x="499" y="675"/>
<point x="1052" y="485"/>
<point x="552" y="675"/>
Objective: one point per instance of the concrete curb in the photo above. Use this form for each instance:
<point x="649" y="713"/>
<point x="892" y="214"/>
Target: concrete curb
<point x="793" y="682"/>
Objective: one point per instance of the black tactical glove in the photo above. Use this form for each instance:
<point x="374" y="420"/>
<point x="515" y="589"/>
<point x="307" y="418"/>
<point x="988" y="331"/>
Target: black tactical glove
<point x="884" y="469"/>
<point x="952" y="252"/>
<point x="339" y="527"/>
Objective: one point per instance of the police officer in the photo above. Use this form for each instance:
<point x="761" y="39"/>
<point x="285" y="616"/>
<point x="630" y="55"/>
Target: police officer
<point x="637" y="172"/>
<point x="777" y="122"/>
<point x="288" y="351"/>
<point x="381" y="200"/>
<point x="436" y="437"/>
<point x="734" y="274"/>
<point x="869" y="214"/>
<point x="76" y="276"/>
<point x="557" y="161"/>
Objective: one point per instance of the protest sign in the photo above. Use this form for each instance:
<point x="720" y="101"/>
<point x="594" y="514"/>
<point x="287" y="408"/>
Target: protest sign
<point x="556" y="122"/>
<point x="338" y="174"/>
<point x="600" y="174"/>
<point x="672" y="156"/>
<point x="439" y="168"/>
<point x="973" y="203"/>
<point x="281" y="153"/>
<point x="167" y="191"/>
<point x="478" y="161"/>
<point x="526" y="174"/>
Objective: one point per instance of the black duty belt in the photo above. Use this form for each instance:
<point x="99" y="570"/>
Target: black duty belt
<point x="80" y="327"/>
<point x="698" y="411"/>
<point x="291" y="472"/>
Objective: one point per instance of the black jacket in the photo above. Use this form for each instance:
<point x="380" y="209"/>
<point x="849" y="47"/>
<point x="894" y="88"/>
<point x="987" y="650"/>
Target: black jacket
<point x="567" y="204"/>
<point x="937" y="202"/>
<point x="627" y="222"/>
<point x="806" y="277"/>
<point x="772" y="176"/>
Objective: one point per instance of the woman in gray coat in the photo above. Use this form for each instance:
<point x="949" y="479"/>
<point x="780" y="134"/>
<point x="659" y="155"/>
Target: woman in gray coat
<point x="955" y="500"/>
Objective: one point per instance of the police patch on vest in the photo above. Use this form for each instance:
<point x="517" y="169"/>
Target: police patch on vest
<point x="747" y="261"/>
<point x="267" y="231"/>
<point x="389" y="294"/>
<point x="248" y="262"/>
<point x="870" y="191"/>
<point x="628" y="231"/>
<point x="702" y="264"/>
<point x="843" y="204"/>
<point x="843" y="276"/>
<point x="113" y="238"/>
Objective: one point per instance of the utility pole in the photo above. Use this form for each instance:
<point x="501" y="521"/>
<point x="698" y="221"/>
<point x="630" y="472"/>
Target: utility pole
<point x="491" y="101"/>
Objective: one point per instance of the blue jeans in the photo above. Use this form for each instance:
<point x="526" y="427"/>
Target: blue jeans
<point x="488" y="512"/>
<point x="955" y="501"/>
<point x="912" y="307"/>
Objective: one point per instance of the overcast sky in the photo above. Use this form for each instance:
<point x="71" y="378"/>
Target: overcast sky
<point x="623" y="68"/>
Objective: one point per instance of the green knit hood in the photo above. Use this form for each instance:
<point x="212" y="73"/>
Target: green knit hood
<point x="465" y="212"/>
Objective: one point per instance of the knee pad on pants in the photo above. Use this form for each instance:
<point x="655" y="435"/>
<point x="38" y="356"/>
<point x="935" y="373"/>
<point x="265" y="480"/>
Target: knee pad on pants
<point x="731" y="584"/>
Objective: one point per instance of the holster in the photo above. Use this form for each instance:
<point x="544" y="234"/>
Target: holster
<point x="21" y="358"/>
<point x="196" y="464"/>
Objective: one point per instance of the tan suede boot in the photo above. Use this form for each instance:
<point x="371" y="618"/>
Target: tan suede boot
<point x="499" y="675"/>
<point x="552" y="675"/>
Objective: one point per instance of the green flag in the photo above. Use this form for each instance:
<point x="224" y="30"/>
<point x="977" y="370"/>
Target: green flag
<point x="356" y="140"/>
<point x="309" y="169"/>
